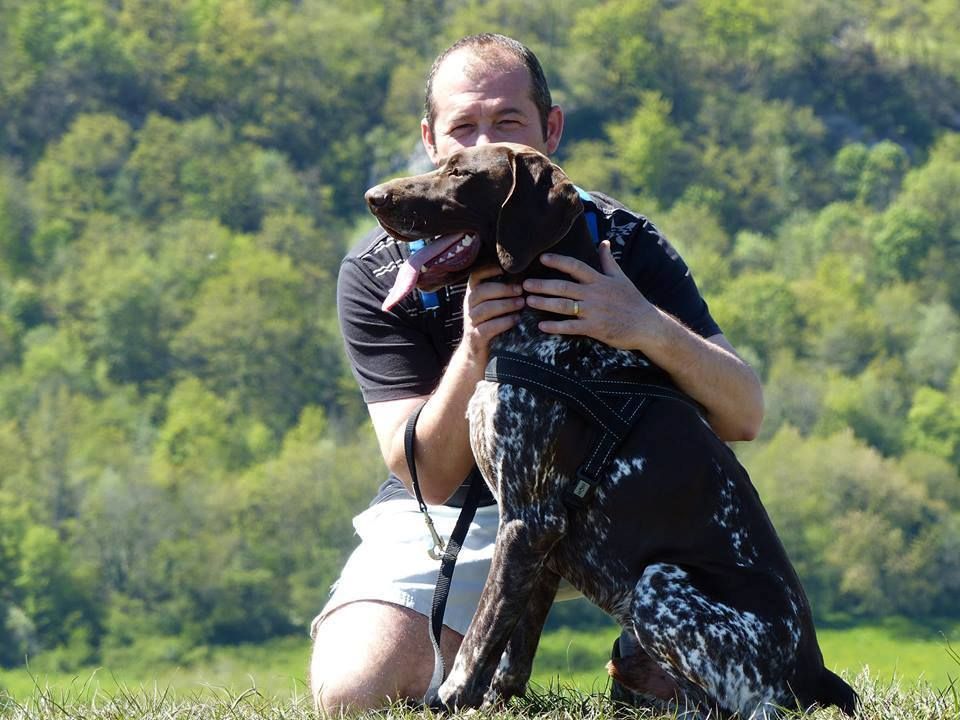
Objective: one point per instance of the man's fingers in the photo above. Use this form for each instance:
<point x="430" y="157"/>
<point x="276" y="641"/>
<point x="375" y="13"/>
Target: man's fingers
<point x="481" y="312"/>
<point x="578" y="270"/>
<point x="484" y="272"/>
<point x="559" y="305"/>
<point x="480" y="289"/>
<point x="562" y="288"/>
<point x="562" y="327"/>
<point x="607" y="263"/>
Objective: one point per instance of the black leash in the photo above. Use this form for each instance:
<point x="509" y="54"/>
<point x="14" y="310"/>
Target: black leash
<point x="446" y="553"/>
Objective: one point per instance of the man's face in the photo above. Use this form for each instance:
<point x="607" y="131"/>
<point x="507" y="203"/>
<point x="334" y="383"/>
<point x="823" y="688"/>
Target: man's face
<point x="477" y="107"/>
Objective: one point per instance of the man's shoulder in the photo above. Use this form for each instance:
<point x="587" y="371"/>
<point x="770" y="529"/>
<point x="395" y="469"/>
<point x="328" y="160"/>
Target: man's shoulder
<point x="620" y="224"/>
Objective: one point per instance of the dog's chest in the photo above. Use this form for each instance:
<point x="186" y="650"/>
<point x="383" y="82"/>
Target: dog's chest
<point x="522" y="438"/>
<point x="513" y="428"/>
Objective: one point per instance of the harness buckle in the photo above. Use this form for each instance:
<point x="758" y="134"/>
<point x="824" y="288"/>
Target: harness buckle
<point x="579" y="494"/>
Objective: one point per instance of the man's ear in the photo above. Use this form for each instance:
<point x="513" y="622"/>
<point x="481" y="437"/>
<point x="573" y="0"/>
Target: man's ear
<point x="538" y="212"/>
<point x="429" y="144"/>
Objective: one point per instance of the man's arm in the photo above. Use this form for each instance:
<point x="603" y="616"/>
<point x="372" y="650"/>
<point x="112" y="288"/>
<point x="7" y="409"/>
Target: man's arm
<point x="612" y="310"/>
<point x="442" y="450"/>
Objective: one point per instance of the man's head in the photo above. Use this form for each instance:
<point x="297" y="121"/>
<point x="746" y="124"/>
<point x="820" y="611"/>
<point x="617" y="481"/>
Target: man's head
<point x="488" y="88"/>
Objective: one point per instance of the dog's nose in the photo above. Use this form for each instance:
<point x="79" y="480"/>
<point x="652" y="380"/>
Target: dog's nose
<point x="377" y="196"/>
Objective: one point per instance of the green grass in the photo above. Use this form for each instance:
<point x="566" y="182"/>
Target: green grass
<point x="880" y="701"/>
<point x="276" y="669"/>
<point x="902" y="669"/>
<point x="896" y="650"/>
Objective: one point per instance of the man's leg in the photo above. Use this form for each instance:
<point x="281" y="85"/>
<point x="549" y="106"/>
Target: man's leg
<point x="367" y="653"/>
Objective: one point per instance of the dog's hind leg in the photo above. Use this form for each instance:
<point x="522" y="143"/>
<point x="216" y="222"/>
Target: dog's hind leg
<point x="512" y="674"/>
<point x="738" y="659"/>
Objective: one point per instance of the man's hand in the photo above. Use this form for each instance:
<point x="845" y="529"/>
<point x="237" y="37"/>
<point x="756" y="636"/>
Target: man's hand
<point x="489" y="309"/>
<point x="606" y="306"/>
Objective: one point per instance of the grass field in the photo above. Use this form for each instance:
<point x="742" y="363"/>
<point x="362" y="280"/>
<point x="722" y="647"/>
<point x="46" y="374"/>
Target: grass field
<point x="897" y="656"/>
<point x="899" y="652"/>
<point x="903" y="671"/>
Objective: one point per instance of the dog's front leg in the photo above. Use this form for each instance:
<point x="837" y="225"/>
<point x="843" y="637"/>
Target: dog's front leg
<point x="513" y="672"/>
<point x="517" y="560"/>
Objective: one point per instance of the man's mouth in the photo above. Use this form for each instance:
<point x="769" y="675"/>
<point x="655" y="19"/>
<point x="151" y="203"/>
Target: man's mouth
<point x="442" y="255"/>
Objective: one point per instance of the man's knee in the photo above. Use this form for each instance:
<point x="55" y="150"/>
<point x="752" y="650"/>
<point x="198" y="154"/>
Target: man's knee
<point x="367" y="655"/>
<point x="340" y="678"/>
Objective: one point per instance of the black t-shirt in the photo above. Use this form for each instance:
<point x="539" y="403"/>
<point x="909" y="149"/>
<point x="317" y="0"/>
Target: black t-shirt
<point x="403" y="353"/>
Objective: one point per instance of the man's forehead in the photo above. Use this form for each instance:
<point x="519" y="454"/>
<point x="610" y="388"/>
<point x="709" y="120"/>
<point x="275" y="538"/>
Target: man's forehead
<point x="464" y="73"/>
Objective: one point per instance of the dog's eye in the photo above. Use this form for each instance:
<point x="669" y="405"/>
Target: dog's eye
<point x="457" y="172"/>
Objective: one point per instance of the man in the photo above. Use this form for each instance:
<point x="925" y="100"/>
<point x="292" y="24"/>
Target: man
<point x="371" y="640"/>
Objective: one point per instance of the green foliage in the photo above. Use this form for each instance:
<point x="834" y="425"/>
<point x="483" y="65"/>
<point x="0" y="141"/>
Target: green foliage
<point x="181" y="441"/>
<point x="759" y="312"/>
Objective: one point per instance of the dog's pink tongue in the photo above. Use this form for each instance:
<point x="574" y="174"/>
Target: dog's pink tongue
<point x="409" y="272"/>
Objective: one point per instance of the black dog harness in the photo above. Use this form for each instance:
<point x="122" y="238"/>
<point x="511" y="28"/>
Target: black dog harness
<point x="613" y="406"/>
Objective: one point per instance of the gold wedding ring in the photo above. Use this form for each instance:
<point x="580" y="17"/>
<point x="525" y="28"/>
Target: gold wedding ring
<point x="576" y="308"/>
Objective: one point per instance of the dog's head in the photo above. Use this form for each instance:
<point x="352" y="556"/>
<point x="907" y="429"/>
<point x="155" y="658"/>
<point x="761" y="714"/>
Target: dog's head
<point x="498" y="203"/>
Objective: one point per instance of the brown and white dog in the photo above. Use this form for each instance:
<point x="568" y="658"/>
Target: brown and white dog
<point x="675" y="544"/>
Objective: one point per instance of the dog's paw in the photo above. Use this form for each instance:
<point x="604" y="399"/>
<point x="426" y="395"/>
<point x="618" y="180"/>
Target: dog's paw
<point x="504" y="687"/>
<point x="432" y="700"/>
<point x="457" y="699"/>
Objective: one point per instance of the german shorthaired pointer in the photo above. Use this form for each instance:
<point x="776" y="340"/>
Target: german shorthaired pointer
<point x="674" y="542"/>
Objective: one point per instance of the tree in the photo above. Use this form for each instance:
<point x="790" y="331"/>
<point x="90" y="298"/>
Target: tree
<point x="902" y="239"/>
<point x="256" y="339"/>
<point x="53" y="597"/>
<point x="759" y="313"/>
<point x="934" y="355"/>
<point x="652" y="151"/>
<point x="197" y="443"/>
<point x="840" y="327"/>
<point x="16" y="224"/>
<point x="872" y="405"/>
<point x="77" y="174"/>
<point x="618" y="51"/>
<point x="194" y="169"/>
<point x="883" y="171"/>
<point x="762" y="155"/>
<point x="59" y="59"/>
<point x="933" y="424"/>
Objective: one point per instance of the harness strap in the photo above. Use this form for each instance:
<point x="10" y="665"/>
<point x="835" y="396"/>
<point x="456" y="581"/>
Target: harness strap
<point x="612" y="405"/>
<point x="446" y="553"/>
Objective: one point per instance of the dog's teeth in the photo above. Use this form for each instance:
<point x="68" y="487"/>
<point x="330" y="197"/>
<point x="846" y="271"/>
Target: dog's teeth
<point x="467" y="240"/>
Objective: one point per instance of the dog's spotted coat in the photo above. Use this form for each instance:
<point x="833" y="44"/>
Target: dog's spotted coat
<point x="674" y="544"/>
<point x="718" y="655"/>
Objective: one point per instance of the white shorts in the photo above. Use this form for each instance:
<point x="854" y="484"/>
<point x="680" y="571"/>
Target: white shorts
<point x="392" y="563"/>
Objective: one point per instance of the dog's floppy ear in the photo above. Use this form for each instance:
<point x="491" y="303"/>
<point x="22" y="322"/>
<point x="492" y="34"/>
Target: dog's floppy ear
<point x="538" y="212"/>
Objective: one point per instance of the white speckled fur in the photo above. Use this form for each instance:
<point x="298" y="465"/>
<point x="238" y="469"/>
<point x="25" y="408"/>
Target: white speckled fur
<point x="713" y="650"/>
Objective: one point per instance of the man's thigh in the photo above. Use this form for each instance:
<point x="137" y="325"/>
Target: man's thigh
<point x="369" y="653"/>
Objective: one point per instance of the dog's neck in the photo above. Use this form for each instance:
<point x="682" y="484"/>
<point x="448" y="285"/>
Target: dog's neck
<point x="577" y="243"/>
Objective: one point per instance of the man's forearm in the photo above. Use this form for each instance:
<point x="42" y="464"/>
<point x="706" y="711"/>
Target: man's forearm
<point x="711" y="373"/>
<point x="442" y="448"/>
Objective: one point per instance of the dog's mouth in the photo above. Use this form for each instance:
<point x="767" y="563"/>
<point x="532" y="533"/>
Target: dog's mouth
<point x="431" y="265"/>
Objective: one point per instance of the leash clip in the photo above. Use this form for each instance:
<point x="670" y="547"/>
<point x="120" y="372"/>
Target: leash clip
<point x="436" y="552"/>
